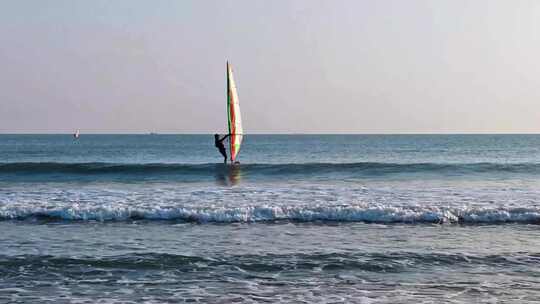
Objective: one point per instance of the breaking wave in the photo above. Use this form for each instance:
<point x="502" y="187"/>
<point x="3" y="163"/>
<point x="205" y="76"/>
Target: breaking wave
<point x="252" y="214"/>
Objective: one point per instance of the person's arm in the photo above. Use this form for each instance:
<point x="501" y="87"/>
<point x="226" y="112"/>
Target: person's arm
<point x="224" y="137"/>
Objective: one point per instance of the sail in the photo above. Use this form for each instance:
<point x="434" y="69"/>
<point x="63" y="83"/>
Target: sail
<point x="235" y="119"/>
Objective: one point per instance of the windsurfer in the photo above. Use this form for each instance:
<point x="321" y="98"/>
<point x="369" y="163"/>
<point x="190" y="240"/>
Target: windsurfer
<point x="219" y="144"/>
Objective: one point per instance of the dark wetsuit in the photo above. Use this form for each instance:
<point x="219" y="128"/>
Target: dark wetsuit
<point x="219" y="144"/>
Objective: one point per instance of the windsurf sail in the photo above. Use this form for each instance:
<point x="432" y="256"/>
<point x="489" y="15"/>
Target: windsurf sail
<point x="234" y="118"/>
<point x="76" y="134"/>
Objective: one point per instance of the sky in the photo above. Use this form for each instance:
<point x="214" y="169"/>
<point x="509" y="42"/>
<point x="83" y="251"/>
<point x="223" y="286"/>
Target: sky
<point x="301" y="66"/>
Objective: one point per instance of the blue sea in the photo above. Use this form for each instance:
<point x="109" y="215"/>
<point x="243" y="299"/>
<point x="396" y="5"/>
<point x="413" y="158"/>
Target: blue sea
<point x="302" y="219"/>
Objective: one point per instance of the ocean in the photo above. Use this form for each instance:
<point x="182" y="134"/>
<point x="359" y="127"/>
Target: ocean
<point x="302" y="219"/>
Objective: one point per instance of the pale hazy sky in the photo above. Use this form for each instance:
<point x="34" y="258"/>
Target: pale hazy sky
<point x="310" y="66"/>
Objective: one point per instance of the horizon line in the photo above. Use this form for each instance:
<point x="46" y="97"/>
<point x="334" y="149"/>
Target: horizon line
<point x="277" y="133"/>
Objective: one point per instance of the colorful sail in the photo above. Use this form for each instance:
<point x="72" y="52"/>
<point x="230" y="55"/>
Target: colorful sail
<point x="235" y="119"/>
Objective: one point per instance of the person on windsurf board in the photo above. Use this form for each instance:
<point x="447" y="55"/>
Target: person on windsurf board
<point x="221" y="147"/>
<point x="234" y="122"/>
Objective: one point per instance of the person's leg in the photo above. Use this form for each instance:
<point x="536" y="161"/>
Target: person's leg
<point x="224" y="153"/>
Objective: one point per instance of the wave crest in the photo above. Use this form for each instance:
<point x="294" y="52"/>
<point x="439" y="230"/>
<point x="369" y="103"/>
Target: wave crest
<point x="331" y="261"/>
<point x="360" y="169"/>
<point x="250" y="214"/>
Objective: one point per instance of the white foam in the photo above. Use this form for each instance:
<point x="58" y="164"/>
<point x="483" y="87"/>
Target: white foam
<point x="377" y="213"/>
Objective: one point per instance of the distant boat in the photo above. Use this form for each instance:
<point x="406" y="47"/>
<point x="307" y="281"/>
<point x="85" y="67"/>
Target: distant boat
<point x="76" y="134"/>
<point x="234" y="118"/>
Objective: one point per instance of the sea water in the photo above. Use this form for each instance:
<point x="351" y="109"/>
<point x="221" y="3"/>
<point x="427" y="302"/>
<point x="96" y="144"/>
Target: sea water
<point x="303" y="218"/>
